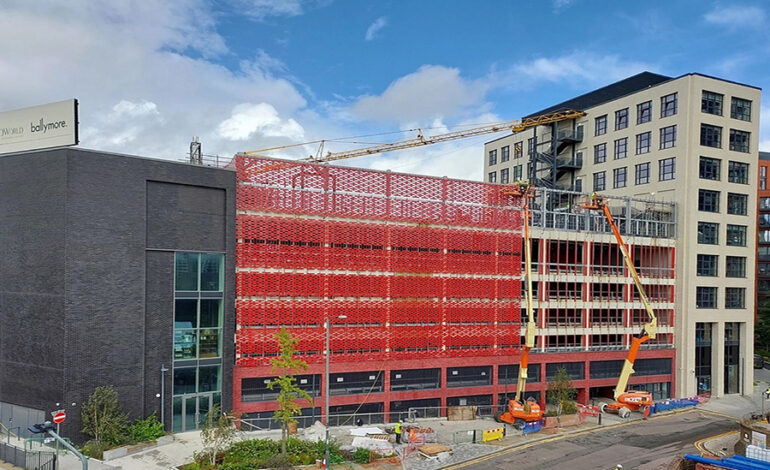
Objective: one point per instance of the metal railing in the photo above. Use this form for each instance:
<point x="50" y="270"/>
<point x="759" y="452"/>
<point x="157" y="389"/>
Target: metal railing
<point x="26" y="459"/>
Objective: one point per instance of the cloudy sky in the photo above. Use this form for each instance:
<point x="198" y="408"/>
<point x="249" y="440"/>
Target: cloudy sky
<point x="250" y="74"/>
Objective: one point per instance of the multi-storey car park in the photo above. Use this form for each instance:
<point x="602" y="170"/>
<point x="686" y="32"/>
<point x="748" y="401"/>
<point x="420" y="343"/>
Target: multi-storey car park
<point x="420" y="278"/>
<point x="691" y="141"/>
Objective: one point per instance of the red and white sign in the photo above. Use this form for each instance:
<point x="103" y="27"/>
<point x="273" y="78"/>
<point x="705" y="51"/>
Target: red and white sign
<point x="59" y="417"/>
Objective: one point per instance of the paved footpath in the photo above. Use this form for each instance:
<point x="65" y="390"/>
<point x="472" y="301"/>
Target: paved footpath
<point x="451" y="433"/>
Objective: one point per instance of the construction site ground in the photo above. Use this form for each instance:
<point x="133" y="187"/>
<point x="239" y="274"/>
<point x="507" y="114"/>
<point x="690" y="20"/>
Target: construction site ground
<point x="448" y="433"/>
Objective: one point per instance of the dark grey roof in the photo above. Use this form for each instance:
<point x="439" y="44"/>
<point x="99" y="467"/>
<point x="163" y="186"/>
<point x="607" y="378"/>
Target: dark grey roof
<point x="764" y="155"/>
<point x="608" y="93"/>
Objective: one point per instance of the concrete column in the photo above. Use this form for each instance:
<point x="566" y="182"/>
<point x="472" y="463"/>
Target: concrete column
<point x="718" y="359"/>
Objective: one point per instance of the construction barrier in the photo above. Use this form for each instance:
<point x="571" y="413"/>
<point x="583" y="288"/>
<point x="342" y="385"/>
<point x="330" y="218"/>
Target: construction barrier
<point x="588" y="410"/>
<point x="532" y="427"/>
<point x="493" y="434"/>
<point x="672" y="404"/>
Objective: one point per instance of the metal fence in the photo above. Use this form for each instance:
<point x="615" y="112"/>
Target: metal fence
<point x="28" y="460"/>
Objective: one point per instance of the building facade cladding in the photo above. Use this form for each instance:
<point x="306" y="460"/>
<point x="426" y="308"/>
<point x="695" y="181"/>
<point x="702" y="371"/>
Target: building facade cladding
<point x="698" y="136"/>
<point x="89" y="300"/>
<point x="763" y="237"/>
<point x="412" y="272"/>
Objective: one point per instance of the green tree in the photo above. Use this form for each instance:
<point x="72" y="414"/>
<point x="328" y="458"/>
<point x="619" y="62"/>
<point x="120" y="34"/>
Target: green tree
<point x="217" y="433"/>
<point x="286" y="365"/>
<point x="103" y="418"/>
<point x="561" y="392"/>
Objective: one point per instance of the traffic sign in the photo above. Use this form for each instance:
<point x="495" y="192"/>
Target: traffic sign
<point x="59" y="417"/>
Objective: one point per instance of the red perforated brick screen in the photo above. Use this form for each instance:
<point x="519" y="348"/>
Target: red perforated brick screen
<point x="419" y="266"/>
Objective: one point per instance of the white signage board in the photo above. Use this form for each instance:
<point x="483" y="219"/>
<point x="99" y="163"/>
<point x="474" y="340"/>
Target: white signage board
<point x="39" y="127"/>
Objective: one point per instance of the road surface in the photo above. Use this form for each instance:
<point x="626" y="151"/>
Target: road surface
<point x="643" y="445"/>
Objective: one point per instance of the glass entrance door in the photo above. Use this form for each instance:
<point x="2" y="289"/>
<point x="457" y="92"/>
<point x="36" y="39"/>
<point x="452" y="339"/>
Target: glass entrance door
<point x="190" y="411"/>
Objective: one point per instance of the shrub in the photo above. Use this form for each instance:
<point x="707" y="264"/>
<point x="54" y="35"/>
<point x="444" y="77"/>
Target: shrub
<point x="361" y="456"/>
<point x="95" y="449"/>
<point x="144" y="430"/>
<point x="568" y="407"/>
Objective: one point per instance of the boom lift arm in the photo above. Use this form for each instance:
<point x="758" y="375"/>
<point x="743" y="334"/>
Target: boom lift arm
<point x="649" y="329"/>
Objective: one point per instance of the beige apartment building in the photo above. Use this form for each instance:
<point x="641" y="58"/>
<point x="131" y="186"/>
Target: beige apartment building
<point x="691" y="141"/>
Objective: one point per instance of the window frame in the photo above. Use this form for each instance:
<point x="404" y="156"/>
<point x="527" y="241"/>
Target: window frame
<point x="640" y="149"/>
<point x="742" y="113"/>
<point x="504" y="176"/>
<point x="735" y="267"/>
<point x="667" y="137"/>
<point x="737" y="204"/>
<point x="642" y="173"/>
<point x="621" y="148"/>
<point x="740" y="230"/>
<point x="669" y="105"/>
<point x="711" y="205"/>
<point x="492" y="157"/>
<point x="706" y="297"/>
<point x="711" y="134"/>
<point x="600" y="153"/>
<point x="710" y="160"/>
<point x="600" y="177"/>
<point x="712" y="102"/>
<point x="667" y="169"/>
<point x="737" y="172"/>
<point x="705" y="235"/>
<point x="743" y="144"/>
<point x="619" y="177"/>
<point x="600" y="125"/>
<point x="733" y="302"/>
<point x="505" y="153"/>
<point x="644" y="112"/>
<point x="707" y="265"/>
<point x="621" y="119"/>
<point x="492" y="177"/>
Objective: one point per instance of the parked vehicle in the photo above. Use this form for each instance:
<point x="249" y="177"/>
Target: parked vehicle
<point x="759" y="361"/>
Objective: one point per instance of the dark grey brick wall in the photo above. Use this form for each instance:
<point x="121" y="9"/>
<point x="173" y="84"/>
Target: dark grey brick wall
<point x="99" y="260"/>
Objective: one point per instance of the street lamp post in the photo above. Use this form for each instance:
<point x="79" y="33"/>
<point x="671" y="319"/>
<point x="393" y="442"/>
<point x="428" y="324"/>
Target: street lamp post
<point x="326" y="382"/>
<point x="163" y="370"/>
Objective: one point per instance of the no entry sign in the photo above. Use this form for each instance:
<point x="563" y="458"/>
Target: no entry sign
<point x="59" y="417"/>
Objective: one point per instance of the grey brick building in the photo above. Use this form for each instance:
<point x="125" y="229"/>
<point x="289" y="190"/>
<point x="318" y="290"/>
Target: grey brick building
<point x="112" y="266"/>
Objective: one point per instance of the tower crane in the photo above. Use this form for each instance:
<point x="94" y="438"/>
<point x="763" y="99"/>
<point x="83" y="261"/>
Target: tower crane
<point x="628" y="400"/>
<point x="517" y="125"/>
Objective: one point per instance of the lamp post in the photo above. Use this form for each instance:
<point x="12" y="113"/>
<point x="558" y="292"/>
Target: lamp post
<point x="327" y="377"/>
<point x="163" y="370"/>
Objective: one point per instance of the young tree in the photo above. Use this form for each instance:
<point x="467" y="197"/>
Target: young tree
<point x="561" y="392"/>
<point x="103" y="418"/>
<point x="286" y="365"/>
<point x="217" y="433"/>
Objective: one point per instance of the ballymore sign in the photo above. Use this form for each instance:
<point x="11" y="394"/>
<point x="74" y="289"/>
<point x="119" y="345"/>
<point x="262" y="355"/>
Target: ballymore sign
<point x="38" y="127"/>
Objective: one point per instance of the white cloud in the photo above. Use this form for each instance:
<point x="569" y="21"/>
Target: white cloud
<point x="260" y="9"/>
<point x="559" y="5"/>
<point x="579" y="68"/>
<point x="248" y="119"/>
<point x="139" y="90"/>
<point x="433" y="91"/>
<point x="375" y="27"/>
<point x="764" y="128"/>
<point x="736" y="17"/>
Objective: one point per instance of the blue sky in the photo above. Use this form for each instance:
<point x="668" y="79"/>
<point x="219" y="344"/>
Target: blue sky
<point x="250" y="74"/>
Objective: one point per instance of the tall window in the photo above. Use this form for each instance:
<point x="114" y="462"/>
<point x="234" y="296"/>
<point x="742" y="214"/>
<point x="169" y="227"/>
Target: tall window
<point x="738" y="172"/>
<point x="668" y="105"/>
<point x="493" y="177"/>
<point x="735" y="297"/>
<point x="198" y="303"/>
<point x="739" y="140"/>
<point x="621" y="148"/>
<point x="705" y="297"/>
<point x="643" y="142"/>
<point x="764" y="203"/>
<point x="600" y="181"/>
<point x="711" y="102"/>
<point x="530" y="146"/>
<point x="643" y="112"/>
<point x="709" y="168"/>
<point x="601" y="125"/>
<point x="621" y="119"/>
<point x="740" y="109"/>
<point x="505" y="153"/>
<point x="708" y="201"/>
<point x="710" y="136"/>
<point x="708" y="233"/>
<point x="493" y="157"/>
<point x="504" y="176"/>
<point x="643" y="173"/>
<point x="517" y="150"/>
<point x="707" y="265"/>
<point x="667" y="169"/>
<point x="763" y="177"/>
<point x="619" y="177"/>
<point x="600" y="153"/>
<point x="667" y="137"/>
<point x="736" y="235"/>
<point x="735" y="266"/>
<point x="517" y="173"/>
<point x="737" y="204"/>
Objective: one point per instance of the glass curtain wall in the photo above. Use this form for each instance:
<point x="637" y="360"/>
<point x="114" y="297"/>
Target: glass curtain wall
<point x="703" y="354"/>
<point x="732" y="357"/>
<point x="198" y="298"/>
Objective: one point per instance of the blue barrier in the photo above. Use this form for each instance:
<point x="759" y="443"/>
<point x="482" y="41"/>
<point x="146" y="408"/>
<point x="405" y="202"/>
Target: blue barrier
<point x="672" y="404"/>
<point x="532" y="426"/>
